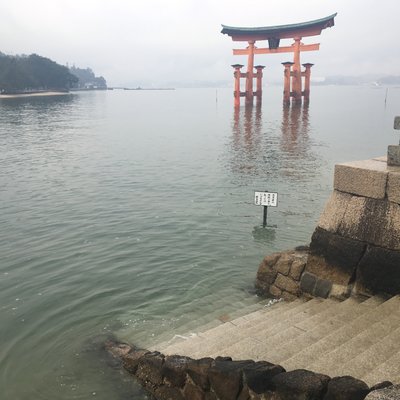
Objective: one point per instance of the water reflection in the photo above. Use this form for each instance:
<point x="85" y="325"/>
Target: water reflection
<point x="37" y="101"/>
<point x="246" y="140"/>
<point x="295" y="129"/>
<point x="25" y="111"/>
<point x="247" y="124"/>
<point x="275" y="147"/>
<point x="264" y="235"/>
<point x="302" y="161"/>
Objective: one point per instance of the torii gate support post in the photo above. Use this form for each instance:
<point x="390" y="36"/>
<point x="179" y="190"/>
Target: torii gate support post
<point x="237" y="74"/>
<point x="250" y="73"/>
<point x="259" y="75"/>
<point x="307" y="78"/>
<point x="286" y="83"/>
<point x="296" y="73"/>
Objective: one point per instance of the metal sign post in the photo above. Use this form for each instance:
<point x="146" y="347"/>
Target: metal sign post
<point x="265" y="199"/>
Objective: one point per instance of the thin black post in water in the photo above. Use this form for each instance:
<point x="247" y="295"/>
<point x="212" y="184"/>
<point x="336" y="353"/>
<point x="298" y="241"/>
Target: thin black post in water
<point x="265" y="216"/>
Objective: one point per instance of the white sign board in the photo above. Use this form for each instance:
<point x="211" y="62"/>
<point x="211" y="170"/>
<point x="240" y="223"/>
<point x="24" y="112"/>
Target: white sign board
<point x="268" y="199"/>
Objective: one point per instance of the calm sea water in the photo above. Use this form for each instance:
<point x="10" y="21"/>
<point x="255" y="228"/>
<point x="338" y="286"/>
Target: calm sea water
<point x="130" y="213"/>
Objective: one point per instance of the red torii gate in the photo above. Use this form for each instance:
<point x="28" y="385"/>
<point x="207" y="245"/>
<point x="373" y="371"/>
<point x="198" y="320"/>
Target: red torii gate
<point x="293" y="87"/>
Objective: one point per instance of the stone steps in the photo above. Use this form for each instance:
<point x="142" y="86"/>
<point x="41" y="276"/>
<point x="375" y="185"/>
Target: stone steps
<point x="356" y="344"/>
<point x="213" y="309"/>
<point x="252" y="339"/>
<point x="191" y="346"/>
<point x="373" y="357"/>
<point x="309" y="356"/>
<point x="315" y="330"/>
<point x="379" y="374"/>
<point x="239" y="310"/>
<point x="358" y="337"/>
<point x="236" y="329"/>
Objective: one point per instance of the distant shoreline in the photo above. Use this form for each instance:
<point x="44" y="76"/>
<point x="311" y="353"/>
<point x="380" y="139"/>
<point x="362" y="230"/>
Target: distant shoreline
<point x="33" y="94"/>
<point x="138" y="88"/>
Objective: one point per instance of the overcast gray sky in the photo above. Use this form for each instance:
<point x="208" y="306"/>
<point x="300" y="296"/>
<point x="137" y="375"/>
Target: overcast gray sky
<point x="155" y="42"/>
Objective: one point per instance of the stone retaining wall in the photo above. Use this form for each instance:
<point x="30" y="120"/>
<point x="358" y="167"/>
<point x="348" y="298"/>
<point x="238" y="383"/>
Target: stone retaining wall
<point x="182" y="378"/>
<point x="356" y="245"/>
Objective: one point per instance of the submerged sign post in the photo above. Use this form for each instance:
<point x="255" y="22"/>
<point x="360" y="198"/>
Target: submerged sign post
<point x="265" y="199"/>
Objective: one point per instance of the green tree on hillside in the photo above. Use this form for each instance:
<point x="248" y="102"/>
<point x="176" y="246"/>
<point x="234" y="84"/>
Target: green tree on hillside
<point x="87" y="79"/>
<point x="33" y="72"/>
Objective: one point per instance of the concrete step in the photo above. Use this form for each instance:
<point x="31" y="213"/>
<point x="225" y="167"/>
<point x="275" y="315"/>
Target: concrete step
<point x="269" y="327"/>
<point x="289" y="339"/>
<point x="389" y="370"/>
<point x="192" y="330"/>
<point x="148" y="332"/>
<point x="314" y="330"/>
<point x="329" y="363"/>
<point x="371" y="358"/>
<point x="221" y="340"/>
<point x="355" y="337"/>
<point x="310" y="354"/>
<point x="229" y="329"/>
<point x="309" y="331"/>
<point x="260" y="338"/>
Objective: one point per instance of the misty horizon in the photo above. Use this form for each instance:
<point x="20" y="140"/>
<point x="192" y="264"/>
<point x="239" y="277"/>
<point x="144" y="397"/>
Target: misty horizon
<point x="151" y="44"/>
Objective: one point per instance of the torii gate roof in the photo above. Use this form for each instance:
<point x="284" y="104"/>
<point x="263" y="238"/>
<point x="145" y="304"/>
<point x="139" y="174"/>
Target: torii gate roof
<point x="310" y="28"/>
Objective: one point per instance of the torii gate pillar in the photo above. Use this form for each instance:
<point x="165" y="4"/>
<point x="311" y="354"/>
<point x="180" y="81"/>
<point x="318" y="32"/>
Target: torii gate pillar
<point x="250" y="73"/>
<point x="307" y="78"/>
<point x="237" y="74"/>
<point x="259" y="76"/>
<point x="286" y="82"/>
<point x="296" y="71"/>
<point x="237" y="94"/>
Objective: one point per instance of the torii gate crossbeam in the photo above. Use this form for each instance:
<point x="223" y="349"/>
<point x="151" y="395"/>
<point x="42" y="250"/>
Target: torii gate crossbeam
<point x="274" y="34"/>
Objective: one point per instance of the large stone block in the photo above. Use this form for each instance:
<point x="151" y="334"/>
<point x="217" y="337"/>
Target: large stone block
<point x="390" y="393"/>
<point x="363" y="178"/>
<point x="308" y="283"/>
<point x="168" y="393"/>
<point x="226" y="377"/>
<point x="198" y="372"/>
<point x="283" y="264"/>
<point x="132" y="359"/>
<point x="323" y="288"/>
<point x="372" y="221"/>
<point x="334" y="210"/>
<point x="258" y="376"/>
<point x="379" y="271"/>
<point x="333" y="257"/>
<point x="192" y="392"/>
<point x="393" y="186"/>
<point x="299" y="385"/>
<point x="149" y="369"/>
<point x="346" y="388"/>
<point x="266" y="275"/>
<point x="393" y="155"/>
<point x="365" y="219"/>
<point x="355" y="223"/>
<point x="287" y="284"/>
<point x="174" y="370"/>
<point x="275" y="291"/>
<point x="297" y="268"/>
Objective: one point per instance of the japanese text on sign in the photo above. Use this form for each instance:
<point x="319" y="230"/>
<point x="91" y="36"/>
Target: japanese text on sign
<point x="268" y="199"/>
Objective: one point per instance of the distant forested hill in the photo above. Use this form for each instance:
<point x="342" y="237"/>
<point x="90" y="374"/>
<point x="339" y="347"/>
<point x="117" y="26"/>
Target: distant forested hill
<point x="87" y="79"/>
<point x="33" y="72"/>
